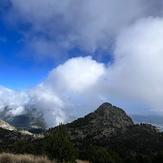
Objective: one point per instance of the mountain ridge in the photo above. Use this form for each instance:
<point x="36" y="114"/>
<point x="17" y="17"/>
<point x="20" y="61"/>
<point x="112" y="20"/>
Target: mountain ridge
<point x="108" y="127"/>
<point x="105" y="121"/>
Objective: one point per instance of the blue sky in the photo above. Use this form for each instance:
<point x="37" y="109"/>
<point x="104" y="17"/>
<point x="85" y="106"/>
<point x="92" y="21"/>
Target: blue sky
<point x="78" y="54"/>
<point x="19" y="69"/>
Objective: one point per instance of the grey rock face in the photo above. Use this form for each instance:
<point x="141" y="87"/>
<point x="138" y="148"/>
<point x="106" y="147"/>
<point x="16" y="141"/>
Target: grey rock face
<point x="31" y="120"/>
<point x="106" y="121"/>
<point x="6" y="126"/>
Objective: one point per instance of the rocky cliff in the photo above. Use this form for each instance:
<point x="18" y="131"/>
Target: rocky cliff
<point x="106" y="121"/>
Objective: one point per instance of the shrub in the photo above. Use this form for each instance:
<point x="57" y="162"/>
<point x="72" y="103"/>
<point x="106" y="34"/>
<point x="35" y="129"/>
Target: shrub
<point x="98" y="154"/>
<point x="143" y="158"/>
<point x="58" y="146"/>
<point x="22" y="147"/>
<point x="158" y="157"/>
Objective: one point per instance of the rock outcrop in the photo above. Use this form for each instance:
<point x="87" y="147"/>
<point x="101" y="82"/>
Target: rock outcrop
<point x="31" y="120"/>
<point x="7" y="126"/>
<point x="106" y="121"/>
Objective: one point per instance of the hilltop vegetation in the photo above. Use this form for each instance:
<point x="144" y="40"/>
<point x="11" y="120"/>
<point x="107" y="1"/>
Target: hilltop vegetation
<point x="107" y="135"/>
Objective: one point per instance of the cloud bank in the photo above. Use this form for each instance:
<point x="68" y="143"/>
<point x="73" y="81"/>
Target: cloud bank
<point x="70" y="90"/>
<point x="88" y="24"/>
<point x="139" y="57"/>
<point x="132" y="32"/>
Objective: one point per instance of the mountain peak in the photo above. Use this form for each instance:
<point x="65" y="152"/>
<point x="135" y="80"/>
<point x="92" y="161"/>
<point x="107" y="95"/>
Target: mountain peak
<point x="106" y="121"/>
<point x="108" y="107"/>
<point x="104" y="106"/>
<point x="109" y="113"/>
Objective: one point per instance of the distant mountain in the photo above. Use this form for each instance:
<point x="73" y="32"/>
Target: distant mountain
<point x="9" y="137"/>
<point x="108" y="127"/>
<point x="155" y="120"/>
<point x="7" y="126"/>
<point x="31" y="120"/>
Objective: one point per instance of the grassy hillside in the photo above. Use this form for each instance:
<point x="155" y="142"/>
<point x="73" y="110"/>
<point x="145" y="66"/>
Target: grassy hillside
<point x="11" y="158"/>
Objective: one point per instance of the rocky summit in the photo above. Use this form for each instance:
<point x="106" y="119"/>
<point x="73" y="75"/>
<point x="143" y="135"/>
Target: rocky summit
<point x="106" y="132"/>
<point x="106" y="121"/>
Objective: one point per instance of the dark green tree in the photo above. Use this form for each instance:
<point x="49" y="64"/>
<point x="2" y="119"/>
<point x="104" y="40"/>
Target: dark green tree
<point x="58" y="146"/>
<point x="98" y="154"/>
<point x="143" y="158"/>
<point x="23" y="147"/>
<point x="158" y="157"/>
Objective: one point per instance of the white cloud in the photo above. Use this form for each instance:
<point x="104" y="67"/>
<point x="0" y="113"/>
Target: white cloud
<point x="81" y="84"/>
<point x="47" y="102"/>
<point x="70" y="90"/>
<point x="138" y="67"/>
<point x="89" y="24"/>
<point x="12" y="98"/>
<point x="12" y="103"/>
<point x="76" y="75"/>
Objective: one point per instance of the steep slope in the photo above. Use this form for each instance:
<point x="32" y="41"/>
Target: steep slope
<point x="6" y="126"/>
<point x="106" y="121"/>
<point x="142" y="138"/>
<point x="10" y="135"/>
<point x="111" y="128"/>
<point x="7" y="138"/>
<point x="108" y="127"/>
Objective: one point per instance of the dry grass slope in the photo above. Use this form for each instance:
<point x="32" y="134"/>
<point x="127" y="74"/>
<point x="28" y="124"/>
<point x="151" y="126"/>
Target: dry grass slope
<point x="11" y="158"/>
<point x="80" y="161"/>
